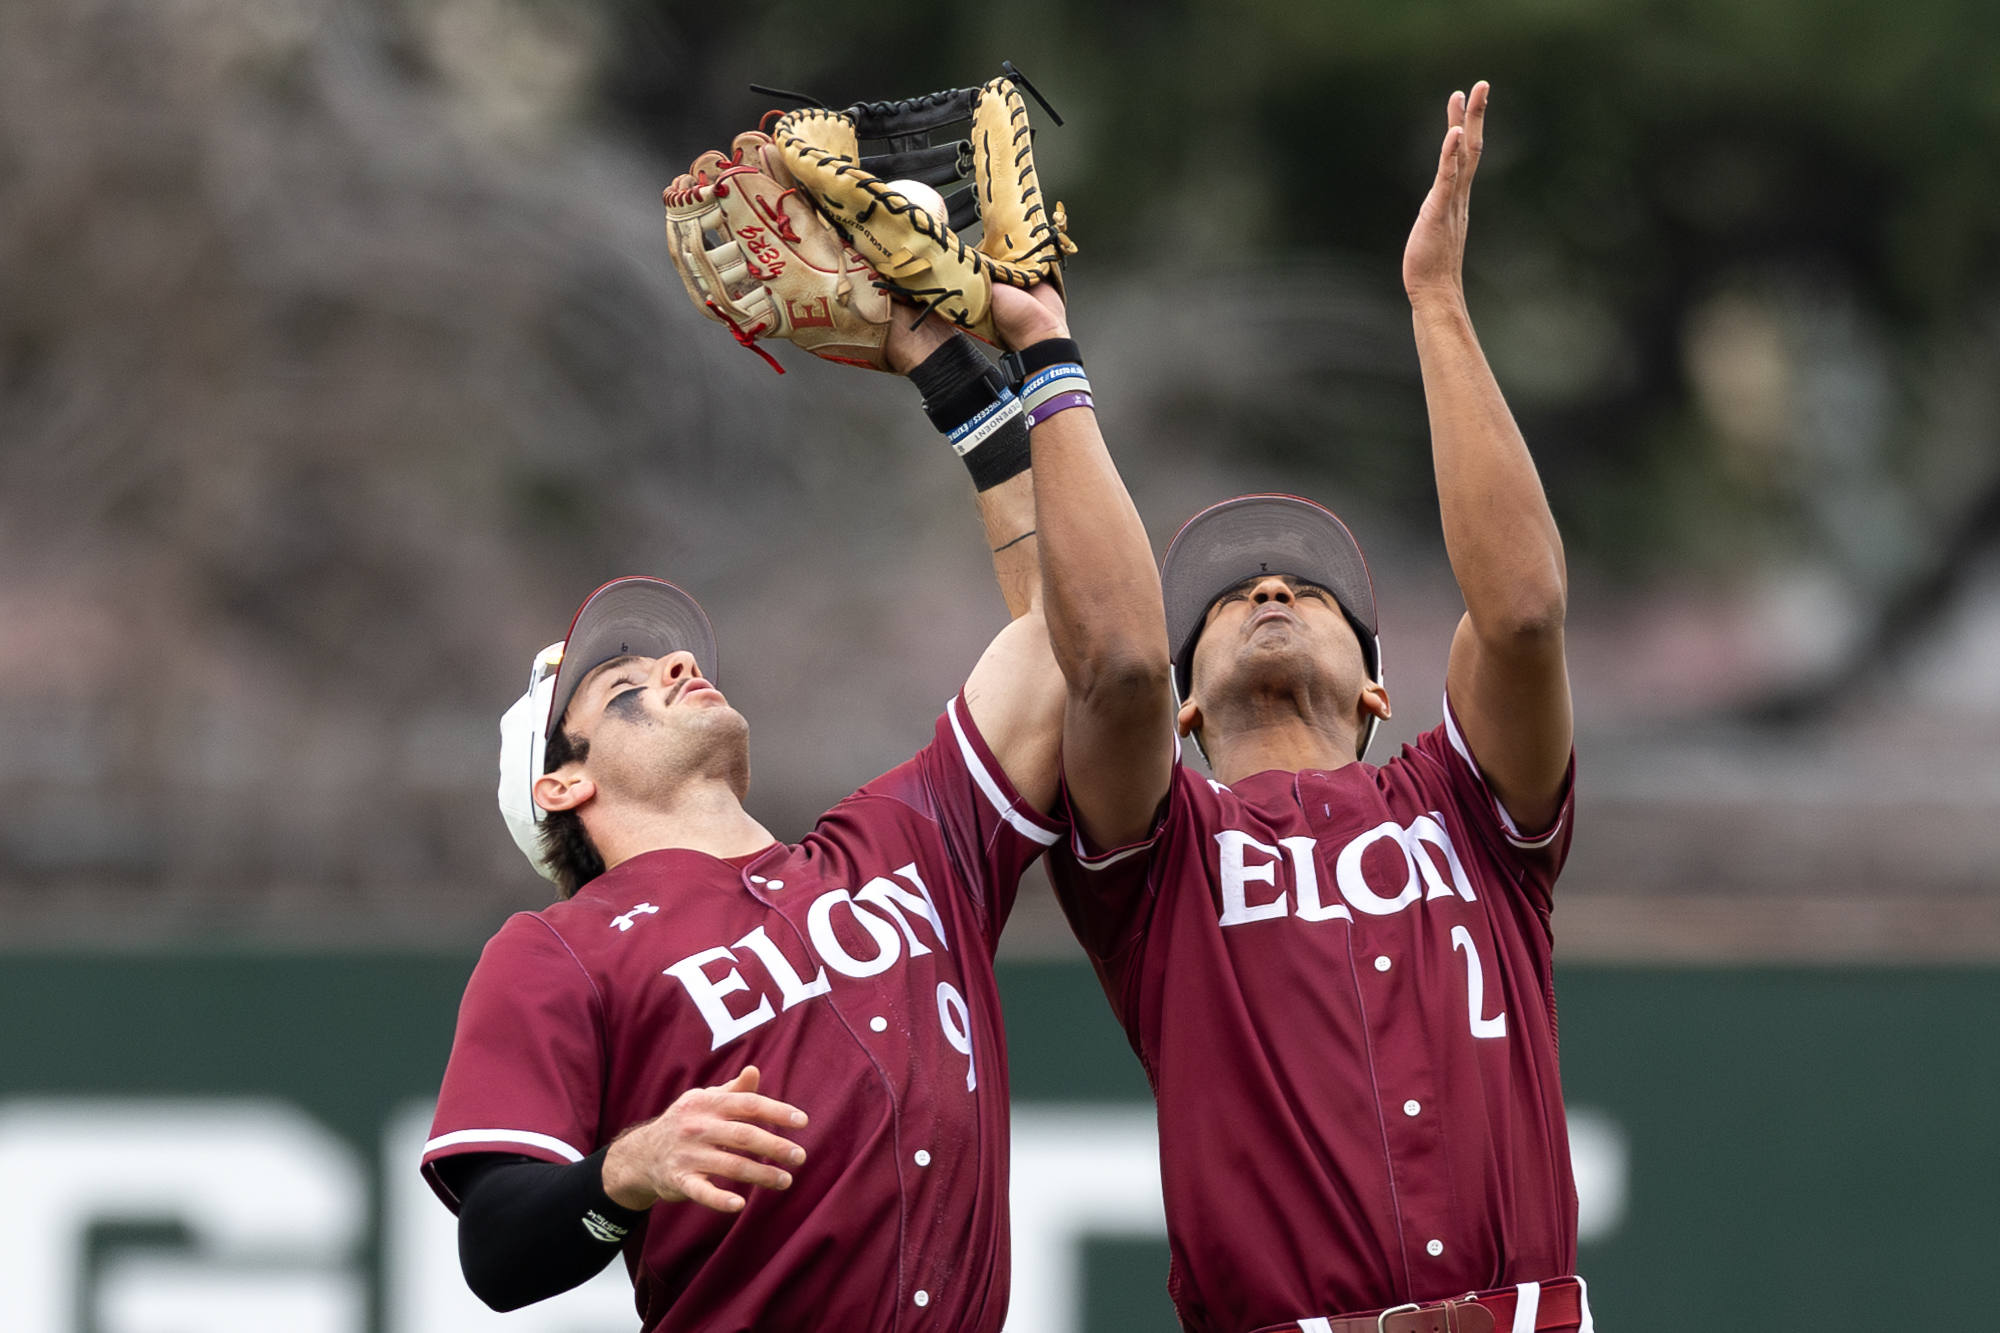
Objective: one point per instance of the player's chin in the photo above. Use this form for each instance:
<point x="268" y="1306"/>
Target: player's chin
<point x="1276" y="646"/>
<point x="715" y="718"/>
<point x="1280" y="662"/>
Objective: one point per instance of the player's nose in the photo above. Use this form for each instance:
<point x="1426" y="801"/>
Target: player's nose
<point x="1272" y="589"/>
<point x="677" y="667"/>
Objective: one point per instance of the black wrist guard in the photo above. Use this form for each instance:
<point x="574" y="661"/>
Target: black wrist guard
<point x="1040" y="356"/>
<point x="968" y="400"/>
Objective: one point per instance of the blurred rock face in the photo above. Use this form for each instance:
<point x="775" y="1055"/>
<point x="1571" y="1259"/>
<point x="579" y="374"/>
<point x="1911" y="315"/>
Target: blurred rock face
<point x="337" y="361"/>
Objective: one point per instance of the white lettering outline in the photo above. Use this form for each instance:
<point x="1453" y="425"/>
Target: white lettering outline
<point x="792" y="988"/>
<point x="1305" y="871"/>
<point x="819" y="925"/>
<point x="958" y="1034"/>
<point x="1430" y="828"/>
<point x="1475" y="988"/>
<point x="893" y="898"/>
<point x="1236" y="876"/>
<point x="1354" y="887"/>
<point x="707" y="994"/>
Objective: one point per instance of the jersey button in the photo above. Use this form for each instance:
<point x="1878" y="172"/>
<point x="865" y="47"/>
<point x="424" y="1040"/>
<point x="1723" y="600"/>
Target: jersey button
<point x="1412" y="1106"/>
<point x="923" y="1157"/>
<point x="1381" y="962"/>
<point x="1433" y="1248"/>
<point x="923" y="1298"/>
<point x="878" y="1024"/>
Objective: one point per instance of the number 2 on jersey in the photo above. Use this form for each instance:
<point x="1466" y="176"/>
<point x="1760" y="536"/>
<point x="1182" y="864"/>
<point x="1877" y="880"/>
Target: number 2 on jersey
<point x="1475" y="988"/>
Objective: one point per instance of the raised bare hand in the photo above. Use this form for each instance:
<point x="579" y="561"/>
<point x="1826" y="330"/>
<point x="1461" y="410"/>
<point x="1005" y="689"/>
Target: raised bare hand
<point x="1434" y="259"/>
<point x="707" y="1134"/>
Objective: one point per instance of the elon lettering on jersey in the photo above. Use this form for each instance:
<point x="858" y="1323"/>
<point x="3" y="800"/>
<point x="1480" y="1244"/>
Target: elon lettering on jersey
<point x="855" y="971"/>
<point x="1340" y="984"/>
<point x="885" y="930"/>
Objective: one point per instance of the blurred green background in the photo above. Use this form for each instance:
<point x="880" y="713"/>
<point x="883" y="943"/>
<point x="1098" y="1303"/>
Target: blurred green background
<point x="1807" y="1147"/>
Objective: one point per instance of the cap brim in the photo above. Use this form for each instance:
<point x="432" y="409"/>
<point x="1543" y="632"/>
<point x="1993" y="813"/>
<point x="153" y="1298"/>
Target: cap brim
<point x="1240" y="539"/>
<point x="631" y="617"/>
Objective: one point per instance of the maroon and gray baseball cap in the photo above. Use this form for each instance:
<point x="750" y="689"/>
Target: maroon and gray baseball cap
<point x="628" y="617"/>
<point x="631" y="617"/>
<point x="1264" y="534"/>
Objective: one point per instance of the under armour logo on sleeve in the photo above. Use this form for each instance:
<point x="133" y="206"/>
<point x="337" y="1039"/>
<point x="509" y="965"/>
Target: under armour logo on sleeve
<point x="625" y="922"/>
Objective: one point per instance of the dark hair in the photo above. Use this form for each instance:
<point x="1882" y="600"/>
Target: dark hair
<point x="565" y="844"/>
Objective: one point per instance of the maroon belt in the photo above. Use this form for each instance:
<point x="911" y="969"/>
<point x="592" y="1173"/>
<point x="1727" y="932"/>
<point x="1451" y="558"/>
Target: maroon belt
<point x="1560" y="1307"/>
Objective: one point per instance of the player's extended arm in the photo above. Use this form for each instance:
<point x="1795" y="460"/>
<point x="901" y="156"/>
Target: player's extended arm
<point x="1015" y="692"/>
<point x="1101" y="599"/>
<point x="1507" y="678"/>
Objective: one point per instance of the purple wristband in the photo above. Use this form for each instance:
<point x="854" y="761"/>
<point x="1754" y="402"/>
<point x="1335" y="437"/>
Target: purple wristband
<point x="1062" y="402"/>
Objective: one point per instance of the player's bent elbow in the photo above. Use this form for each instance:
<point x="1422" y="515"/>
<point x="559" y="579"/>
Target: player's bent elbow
<point x="1121" y="685"/>
<point x="1527" y="627"/>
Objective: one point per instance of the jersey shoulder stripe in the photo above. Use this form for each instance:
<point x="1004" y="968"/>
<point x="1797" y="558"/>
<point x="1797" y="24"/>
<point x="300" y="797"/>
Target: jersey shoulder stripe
<point x="1089" y="860"/>
<point x="518" y="1137"/>
<point x="1029" y="828"/>
<point x="1507" y="824"/>
<point x="1109" y="859"/>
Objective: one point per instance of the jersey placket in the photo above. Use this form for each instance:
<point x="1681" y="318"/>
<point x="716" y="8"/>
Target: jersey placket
<point x="884" y="1015"/>
<point x="1385" y="960"/>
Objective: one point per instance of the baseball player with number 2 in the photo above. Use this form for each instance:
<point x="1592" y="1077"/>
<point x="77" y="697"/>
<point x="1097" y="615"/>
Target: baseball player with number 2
<point x="1337" y="976"/>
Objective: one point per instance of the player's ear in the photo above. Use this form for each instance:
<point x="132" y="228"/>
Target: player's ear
<point x="564" y="789"/>
<point x="1375" y="700"/>
<point x="1188" y="720"/>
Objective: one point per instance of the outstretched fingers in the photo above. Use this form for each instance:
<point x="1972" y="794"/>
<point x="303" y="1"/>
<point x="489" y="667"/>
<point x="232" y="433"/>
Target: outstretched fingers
<point x="1448" y="158"/>
<point x="701" y="1190"/>
<point x="737" y="1136"/>
<point x="711" y="1162"/>
<point x="1433" y="259"/>
<point x="764" y="1110"/>
<point x="1458" y="157"/>
<point x="1474" y="120"/>
<point x="738" y="1099"/>
<point x="731" y="1152"/>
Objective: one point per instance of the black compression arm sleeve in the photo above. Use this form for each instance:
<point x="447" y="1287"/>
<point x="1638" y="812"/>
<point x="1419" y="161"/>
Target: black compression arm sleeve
<point x="530" y="1230"/>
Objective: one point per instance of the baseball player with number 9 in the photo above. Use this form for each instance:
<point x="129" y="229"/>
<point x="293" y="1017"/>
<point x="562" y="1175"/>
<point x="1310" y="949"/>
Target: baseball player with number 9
<point x="1337" y="976"/>
<point x="771" y="1075"/>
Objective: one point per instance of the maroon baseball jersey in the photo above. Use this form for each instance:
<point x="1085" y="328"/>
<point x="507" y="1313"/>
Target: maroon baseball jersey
<point x="855" y="970"/>
<point x="1340" y="986"/>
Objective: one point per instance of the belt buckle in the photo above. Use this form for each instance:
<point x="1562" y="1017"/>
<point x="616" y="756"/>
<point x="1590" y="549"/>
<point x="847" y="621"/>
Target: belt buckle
<point x="1382" y="1320"/>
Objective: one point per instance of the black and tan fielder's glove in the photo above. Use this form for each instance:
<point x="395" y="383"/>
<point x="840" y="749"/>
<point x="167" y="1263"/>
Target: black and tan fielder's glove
<point x="922" y="256"/>
<point x="739" y="266"/>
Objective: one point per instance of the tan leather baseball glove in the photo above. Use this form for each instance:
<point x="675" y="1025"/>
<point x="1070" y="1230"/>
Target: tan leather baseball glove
<point x="756" y="255"/>
<point x="921" y="258"/>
